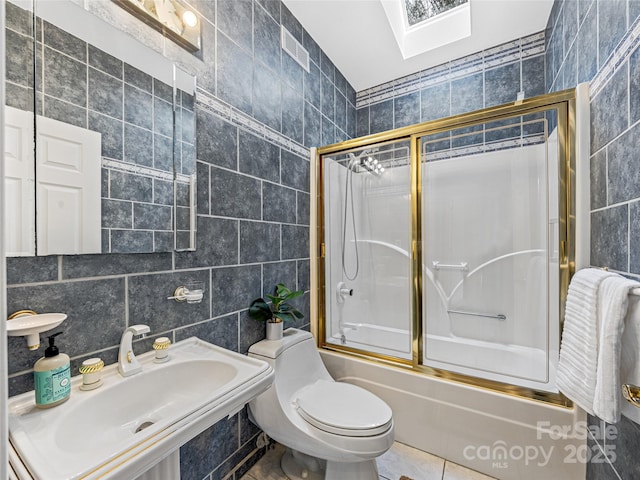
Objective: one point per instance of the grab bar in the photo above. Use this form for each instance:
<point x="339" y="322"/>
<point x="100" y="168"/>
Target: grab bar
<point x="499" y="316"/>
<point x="464" y="266"/>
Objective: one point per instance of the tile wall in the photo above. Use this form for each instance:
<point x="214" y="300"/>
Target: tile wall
<point x="257" y="112"/>
<point x="592" y="41"/>
<point x="484" y="79"/>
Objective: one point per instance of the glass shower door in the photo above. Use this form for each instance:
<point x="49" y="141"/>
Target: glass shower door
<point x="490" y="215"/>
<point x="367" y="222"/>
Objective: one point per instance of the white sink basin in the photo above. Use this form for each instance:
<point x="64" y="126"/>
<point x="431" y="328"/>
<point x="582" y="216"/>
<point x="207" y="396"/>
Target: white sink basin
<point x="129" y="424"/>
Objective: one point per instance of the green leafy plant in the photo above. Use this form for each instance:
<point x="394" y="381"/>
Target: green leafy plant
<point x="279" y="310"/>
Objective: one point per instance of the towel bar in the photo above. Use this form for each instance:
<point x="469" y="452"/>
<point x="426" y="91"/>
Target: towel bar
<point x="631" y="393"/>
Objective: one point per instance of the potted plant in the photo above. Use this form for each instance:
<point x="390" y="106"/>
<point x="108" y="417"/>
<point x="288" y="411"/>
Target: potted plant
<point x="277" y="312"/>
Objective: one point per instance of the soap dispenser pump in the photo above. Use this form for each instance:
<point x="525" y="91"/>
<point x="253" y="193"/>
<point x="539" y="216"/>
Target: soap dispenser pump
<point x="52" y="376"/>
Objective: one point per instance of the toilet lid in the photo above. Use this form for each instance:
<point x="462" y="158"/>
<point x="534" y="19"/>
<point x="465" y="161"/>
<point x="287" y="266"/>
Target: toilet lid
<point x="343" y="409"/>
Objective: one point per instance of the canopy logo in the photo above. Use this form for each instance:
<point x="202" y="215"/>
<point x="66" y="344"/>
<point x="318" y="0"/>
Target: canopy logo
<point x="549" y="441"/>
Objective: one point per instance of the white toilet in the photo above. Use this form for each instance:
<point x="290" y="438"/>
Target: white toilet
<point x="332" y="430"/>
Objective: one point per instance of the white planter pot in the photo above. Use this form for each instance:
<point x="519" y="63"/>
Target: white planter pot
<point x="274" y="330"/>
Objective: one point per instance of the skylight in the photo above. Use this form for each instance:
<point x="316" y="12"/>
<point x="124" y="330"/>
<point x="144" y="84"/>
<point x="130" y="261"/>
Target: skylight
<point x="421" y="10"/>
<point x="423" y="25"/>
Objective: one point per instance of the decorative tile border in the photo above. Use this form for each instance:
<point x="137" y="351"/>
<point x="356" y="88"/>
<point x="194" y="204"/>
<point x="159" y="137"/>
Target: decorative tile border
<point x="142" y="170"/>
<point x="485" y="147"/>
<point x="617" y="59"/>
<point x="507" y="53"/>
<point x="210" y="103"/>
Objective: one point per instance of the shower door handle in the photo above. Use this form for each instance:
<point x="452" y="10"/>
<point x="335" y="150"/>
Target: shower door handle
<point x="498" y="316"/>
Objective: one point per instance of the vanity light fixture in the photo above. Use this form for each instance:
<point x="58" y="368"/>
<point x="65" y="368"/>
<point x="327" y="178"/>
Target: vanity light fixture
<point x="172" y="18"/>
<point x="189" y="18"/>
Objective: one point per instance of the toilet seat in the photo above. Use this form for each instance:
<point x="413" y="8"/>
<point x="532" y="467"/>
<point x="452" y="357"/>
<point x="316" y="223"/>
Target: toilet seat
<point x="343" y="409"/>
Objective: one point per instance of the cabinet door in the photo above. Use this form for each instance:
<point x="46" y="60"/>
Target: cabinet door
<point x="19" y="184"/>
<point x="68" y="188"/>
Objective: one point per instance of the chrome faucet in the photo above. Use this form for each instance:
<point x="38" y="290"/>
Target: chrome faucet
<point x="127" y="362"/>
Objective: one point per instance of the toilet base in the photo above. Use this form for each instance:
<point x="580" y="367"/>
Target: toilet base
<point x="367" y="470"/>
<point x="299" y="466"/>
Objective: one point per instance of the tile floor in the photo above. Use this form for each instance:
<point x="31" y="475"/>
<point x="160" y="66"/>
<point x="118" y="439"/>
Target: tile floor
<point x="400" y="460"/>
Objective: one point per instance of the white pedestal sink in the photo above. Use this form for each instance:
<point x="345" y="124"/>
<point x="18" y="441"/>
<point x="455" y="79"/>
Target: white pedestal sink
<point x="128" y="425"/>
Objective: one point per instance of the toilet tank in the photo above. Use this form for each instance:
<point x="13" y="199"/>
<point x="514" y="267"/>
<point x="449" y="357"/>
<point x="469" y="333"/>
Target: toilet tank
<point x="295" y="360"/>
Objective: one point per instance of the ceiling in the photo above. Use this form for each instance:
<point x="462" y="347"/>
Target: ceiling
<point x="358" y="38"/>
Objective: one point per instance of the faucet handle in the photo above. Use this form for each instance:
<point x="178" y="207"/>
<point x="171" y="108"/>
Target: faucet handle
<point x="161" y="346"/>
<point x="139" y="329"/>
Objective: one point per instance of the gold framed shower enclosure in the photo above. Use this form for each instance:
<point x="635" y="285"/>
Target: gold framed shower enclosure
<point x="564" y="105"/>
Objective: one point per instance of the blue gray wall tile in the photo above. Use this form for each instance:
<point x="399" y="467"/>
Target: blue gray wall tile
<point x="278" y="203"/>
<point x="623" y="162"/>
<point x="31" y="269"/>
<point x="105" y="62"/>
<point x="381" y="116"/>
<point x="634" y="237"/>
<point x="312" y="125"/>
<point x="406" y="110"/>
<point x="612" y="25"/>
<point x="295" y="241"/>
<point x="217" y="141"/>
<point x="266" y="33"/>
<point x="502" y="84"/>
<point x="278" y="272"/>
<point x="211" y="447"/>
<point x="131" y="241"/>
<point x="216" y="244"/>
<point x="258" y="157"/>
<point x="295" y="171"/>
<point x="292" y="114"/>
<point x="467" y="94"/>
<point x="312" y="85"/>
<point x="259" y="242"/>
<point x="234" y="195"/>
<point x="267" y="101"/>
<point x="607" y="122"/>
<point x="221" y="331"/>
<point x="234" y="73"/>
<point x="598" y="168"/>
<point x="243" y="281"/>
<point x="609" y="231"/>
<point x="634" y="87"/>
<point x="78" y="266"/>
<point x="105" y="94"/>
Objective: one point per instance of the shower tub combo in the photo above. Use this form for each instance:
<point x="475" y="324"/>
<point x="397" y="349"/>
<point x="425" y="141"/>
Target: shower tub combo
<point x="444" y="252"/>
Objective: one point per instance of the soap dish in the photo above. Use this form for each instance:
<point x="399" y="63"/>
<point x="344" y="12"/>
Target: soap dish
<point x="29" y="324"/>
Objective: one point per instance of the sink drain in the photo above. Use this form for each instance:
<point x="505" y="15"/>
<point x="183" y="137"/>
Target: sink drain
<point x="143" y="425"/>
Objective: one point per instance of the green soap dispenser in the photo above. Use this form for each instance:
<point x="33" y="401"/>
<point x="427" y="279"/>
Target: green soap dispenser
<point x="52" y="376"/>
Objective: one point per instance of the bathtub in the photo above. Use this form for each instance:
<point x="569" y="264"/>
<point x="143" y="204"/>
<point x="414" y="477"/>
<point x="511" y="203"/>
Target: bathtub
<point x="375" y="338"/>
<point x="507" y="363"/>
<point x="504" y="436"/>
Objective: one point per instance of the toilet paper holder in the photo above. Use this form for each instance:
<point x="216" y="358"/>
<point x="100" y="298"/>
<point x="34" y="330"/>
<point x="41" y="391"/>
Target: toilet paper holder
<point x="631" y="393"/>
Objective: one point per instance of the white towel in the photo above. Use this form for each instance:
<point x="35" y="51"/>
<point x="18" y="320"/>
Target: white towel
<point x="614" y="302"/>
<point x="589" y="365"/>
<point x="576" y="375"/>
